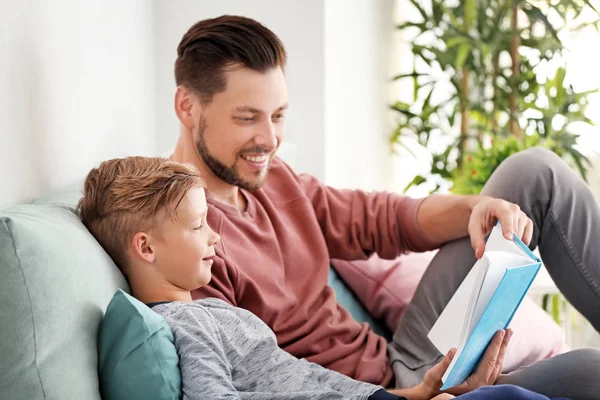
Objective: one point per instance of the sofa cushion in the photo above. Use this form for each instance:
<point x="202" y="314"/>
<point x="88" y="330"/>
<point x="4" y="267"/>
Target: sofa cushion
<point x="137" y="358"/>
<point x="347" y="299"/>
<point x="55" y="283"/>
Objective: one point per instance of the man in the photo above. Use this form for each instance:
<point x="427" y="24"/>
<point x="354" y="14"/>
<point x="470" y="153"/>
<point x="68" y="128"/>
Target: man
<point x="281" y="229"/>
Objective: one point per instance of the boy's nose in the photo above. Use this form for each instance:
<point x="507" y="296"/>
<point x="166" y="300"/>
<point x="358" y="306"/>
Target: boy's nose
<point x="216" y="238"/>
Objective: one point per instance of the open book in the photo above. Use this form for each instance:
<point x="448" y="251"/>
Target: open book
<point x="484" y="303"/>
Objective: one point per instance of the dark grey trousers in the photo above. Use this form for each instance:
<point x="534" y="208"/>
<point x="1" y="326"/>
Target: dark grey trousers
<point x="566" y="222"/>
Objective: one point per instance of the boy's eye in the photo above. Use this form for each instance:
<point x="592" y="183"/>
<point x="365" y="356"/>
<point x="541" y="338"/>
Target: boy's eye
<point x="198" y="228"/>
<point x="245" y="119"/>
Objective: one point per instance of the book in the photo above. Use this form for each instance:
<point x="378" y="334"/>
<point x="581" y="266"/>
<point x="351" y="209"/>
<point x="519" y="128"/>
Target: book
<point x="484" y="303"/>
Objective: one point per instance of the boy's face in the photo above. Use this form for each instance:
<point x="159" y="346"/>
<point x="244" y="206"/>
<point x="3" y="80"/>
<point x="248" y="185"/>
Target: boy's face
<point x="184" y="250"/>
<point x="239" y="132"/>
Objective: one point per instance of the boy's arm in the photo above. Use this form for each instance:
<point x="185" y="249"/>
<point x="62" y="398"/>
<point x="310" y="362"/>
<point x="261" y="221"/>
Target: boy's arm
<point x="205" y="369"/>
<point x="344" y="384"/>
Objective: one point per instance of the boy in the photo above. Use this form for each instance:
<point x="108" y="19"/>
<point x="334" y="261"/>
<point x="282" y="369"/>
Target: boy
<point x="149" y="214"/>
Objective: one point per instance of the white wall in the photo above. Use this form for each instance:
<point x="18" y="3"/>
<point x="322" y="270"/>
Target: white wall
<point x="76" y="87"/>
<point x="358" y="53"/>
<point x="81" y="82"/>
<point x="298" y="23"/>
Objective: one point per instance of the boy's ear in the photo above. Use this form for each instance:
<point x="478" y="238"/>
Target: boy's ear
<point x="142" y="247"/>
<point x="185" y="104"/>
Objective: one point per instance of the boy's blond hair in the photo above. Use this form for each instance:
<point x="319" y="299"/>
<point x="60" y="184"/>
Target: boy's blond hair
<point x="124" y="196"/>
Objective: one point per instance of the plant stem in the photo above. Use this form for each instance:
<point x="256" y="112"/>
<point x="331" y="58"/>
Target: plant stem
<point x="515" y="43"/>
<point x="495" y="67"/>
<point x="464" y="115"/>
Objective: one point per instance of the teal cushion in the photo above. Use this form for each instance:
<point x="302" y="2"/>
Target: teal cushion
<point x="137" y="358"/>
<point x="347" y="299"/>
<point x="55" y="283"/>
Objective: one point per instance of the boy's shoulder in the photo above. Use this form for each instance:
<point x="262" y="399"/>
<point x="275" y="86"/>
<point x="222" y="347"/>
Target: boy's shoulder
<point x="201" y="306"/>
<point x="209" y="311"/>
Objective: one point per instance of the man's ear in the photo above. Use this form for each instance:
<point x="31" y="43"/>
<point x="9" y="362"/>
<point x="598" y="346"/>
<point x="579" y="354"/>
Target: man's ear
<point x="185" y="101"/>
<point x="142" y="247"/>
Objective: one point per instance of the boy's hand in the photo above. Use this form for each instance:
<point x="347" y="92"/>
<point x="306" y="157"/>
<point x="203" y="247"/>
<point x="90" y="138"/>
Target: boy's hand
<point x="487" y="372"/>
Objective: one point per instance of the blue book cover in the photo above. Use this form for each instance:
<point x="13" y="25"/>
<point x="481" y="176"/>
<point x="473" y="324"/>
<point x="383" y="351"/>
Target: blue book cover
<point x="497" y="315"/>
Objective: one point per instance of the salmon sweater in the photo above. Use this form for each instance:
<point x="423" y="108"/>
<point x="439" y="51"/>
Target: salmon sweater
<point x="274" y="259"/>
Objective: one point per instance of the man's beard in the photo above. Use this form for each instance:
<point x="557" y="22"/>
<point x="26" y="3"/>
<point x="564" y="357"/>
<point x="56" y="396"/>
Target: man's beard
<point x="227" y="174"/>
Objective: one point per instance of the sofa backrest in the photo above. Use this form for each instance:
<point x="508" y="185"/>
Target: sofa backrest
<point x="55" y="284"/>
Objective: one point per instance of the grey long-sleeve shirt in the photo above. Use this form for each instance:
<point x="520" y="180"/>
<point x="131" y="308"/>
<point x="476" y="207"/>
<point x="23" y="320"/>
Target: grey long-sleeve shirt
<point x="228" y="353"/>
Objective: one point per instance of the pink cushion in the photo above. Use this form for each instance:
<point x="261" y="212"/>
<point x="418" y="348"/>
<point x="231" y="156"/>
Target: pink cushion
<point x="385" y="287"/>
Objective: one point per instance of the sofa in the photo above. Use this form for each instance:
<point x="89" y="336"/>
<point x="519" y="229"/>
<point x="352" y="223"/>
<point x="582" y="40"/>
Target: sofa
<point x="55" y="284"/>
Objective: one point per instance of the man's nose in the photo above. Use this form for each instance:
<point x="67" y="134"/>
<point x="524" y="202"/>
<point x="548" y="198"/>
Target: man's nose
<point x="267" y="136"/>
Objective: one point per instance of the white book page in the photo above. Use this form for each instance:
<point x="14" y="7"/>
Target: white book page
<point x="497" y="264"/>
<point x="497" y="242"/>
<point x="483" y="265"/>
<point x="500" y="261"/>
<point x="463" y="312"/>
<point x="447" y="331"/>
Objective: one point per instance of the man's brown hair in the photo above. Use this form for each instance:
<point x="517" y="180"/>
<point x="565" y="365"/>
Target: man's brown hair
<point x="212" y="45"/>
<point x="124" y="196"/>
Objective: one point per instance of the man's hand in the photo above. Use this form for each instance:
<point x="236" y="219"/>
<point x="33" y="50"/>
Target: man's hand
<point x="484" y="216"/>
<point x="487" y="373"/>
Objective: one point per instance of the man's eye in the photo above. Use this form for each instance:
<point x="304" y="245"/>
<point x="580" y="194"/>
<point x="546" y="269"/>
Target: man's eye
<point x="278" y="117"/>
<point x="245" y="119"/>
<point x="198" y="228"/>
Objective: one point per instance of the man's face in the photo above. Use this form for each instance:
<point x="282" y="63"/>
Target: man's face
<point x="241" y="129"/>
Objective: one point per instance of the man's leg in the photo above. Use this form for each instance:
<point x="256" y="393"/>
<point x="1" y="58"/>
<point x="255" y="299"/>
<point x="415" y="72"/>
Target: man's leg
<point x="572" y="375"/>
<point x="566" y="228"/>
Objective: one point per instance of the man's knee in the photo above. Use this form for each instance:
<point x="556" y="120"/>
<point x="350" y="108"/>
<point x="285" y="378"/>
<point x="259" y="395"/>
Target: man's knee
<point x="575" y="375"/>
<point x="585" y="359"/>
<point x="584" y="367"/>
<point x="533" y="162"/>
<point x="536" y="170"/>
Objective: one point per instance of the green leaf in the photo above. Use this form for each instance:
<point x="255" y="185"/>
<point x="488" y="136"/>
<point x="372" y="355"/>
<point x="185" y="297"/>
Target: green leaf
<point x="535" y="14"/>
<point x="421" y="25"/>
<point x="427" y="109"/>
<point x="402" y="108"/>
<point x="470" y="13"/>
<point x="415" y="82"/>
<point x="438" y="11"/>
<point x="409" y="75"/>
<point x="421" y="10"/>
<point x="589" y="4"/>
<point x="579" y="160"/>
<point x="418" y="180"/>
<point x="455" y="41"/>
<point x="556" y="308"/>
<point x="461" y="55"/>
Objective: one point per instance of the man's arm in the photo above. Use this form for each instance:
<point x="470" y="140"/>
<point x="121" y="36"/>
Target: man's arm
<point x="356" y="223"/>
<point x="443" y="218"/>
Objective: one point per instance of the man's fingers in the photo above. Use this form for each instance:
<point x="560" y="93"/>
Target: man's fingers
<point x="490" y="357"/>
<point x="507" y="220"/>
<point x="528" y="232"/>
<point x="520" y="225"/>
<point x="443" y="396"/>
<point x="500" y="360"/>
<point x="438" y="370"/>
<point x="477" y="234"/>
<point x="445" y="363"/>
